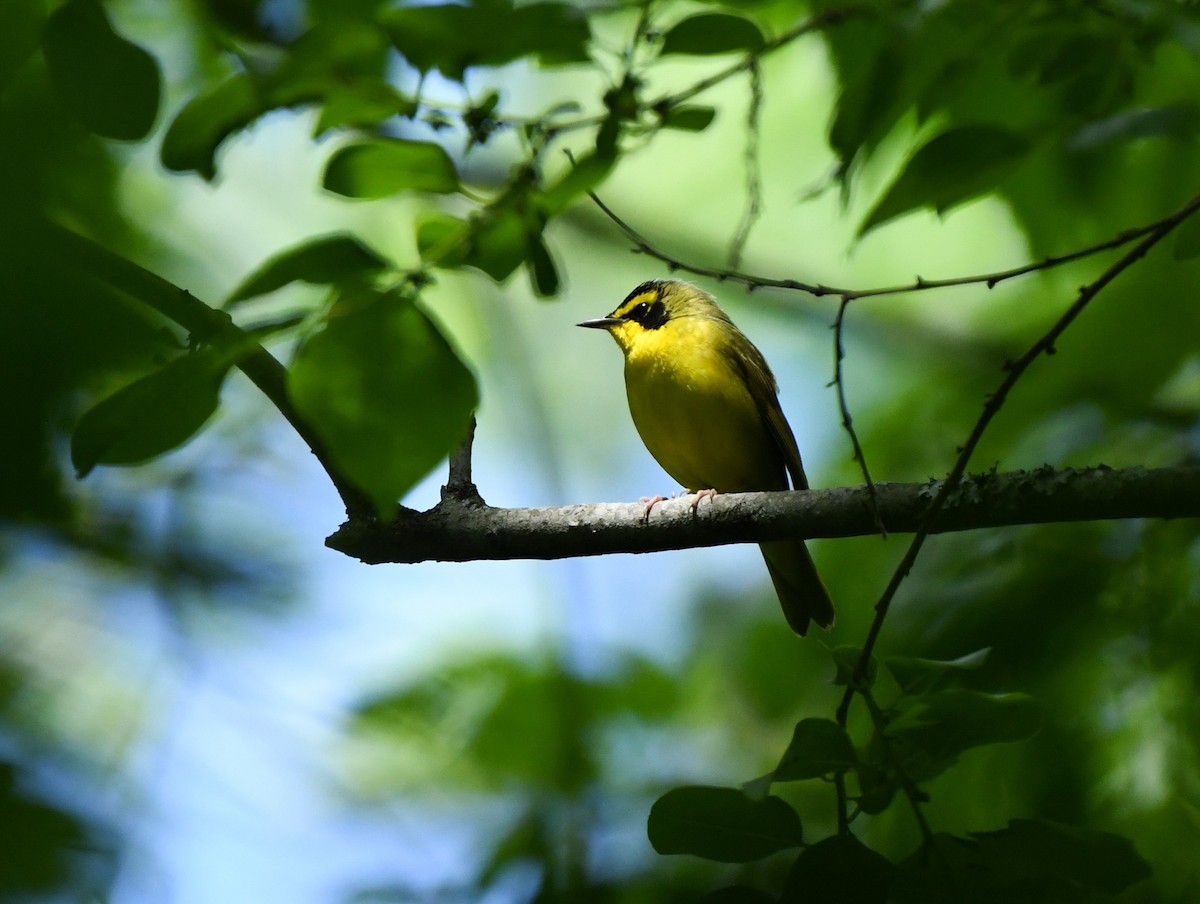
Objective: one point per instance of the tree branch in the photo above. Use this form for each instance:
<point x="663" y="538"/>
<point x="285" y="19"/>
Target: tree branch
<point x="463" y="532"/>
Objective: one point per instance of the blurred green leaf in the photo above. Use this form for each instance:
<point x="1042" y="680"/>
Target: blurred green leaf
<point x="1100" y="861"/>
<point x="583" y="176"/>
<point x="938" y="727"/>
<point x="329" y="260"/>
<point x="709" y="33"/>
<point x="819" y="747"/>
<point x="196" y="132"/>
<point x="385" y="390"/>
<point x="1179" y="121"/>
<point x="1033" y="861"/>
<point x="382" y="167"/>
<point x="689" y="117"/>
<point x="111" y="84"/>
<point x="452" y="37"/>
<point x="442" y="241"/>
<point x="495" y="241"/>
<point x="869" y="100"/>
<point x="363" y="103"/>
<point x="1187" y="239"/>
<point x="721" y="824"/>
<point x="949" y="170"/>
<point x="918" y="676"/>
<point x="152" y="415"/>
<point x="839" y="868"/>
<point x="845" y="660"/>
<point x="541" y="265"/>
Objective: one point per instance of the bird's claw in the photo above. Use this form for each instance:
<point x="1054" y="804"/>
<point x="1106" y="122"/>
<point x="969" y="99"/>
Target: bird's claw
<point x="650" y="502"/>
<point x="701" y="494"/>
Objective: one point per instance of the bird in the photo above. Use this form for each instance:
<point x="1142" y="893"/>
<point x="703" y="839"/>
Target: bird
<point x="706" y="406"/>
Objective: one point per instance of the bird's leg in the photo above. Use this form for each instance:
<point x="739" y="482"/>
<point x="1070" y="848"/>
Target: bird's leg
<point x="701" y="494"/>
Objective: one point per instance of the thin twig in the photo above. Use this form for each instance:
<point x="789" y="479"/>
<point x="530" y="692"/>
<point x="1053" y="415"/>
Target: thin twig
<point x="839" y="382"/>
<point x="819" y="290"/>
<point x="753" y="168"/>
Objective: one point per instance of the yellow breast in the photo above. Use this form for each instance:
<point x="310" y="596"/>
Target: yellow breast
<point x="695" y="413"/>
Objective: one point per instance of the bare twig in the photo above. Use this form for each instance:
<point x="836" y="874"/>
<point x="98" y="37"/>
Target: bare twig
<point x="839" y="382"/>
<point x="819" y="290"/>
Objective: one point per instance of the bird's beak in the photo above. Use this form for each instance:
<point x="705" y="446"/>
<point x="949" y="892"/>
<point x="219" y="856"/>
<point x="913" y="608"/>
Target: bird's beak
<point x="600" y="323"/>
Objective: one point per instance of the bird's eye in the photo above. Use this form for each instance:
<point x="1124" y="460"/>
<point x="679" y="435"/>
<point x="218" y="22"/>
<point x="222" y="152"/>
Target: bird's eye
<point x="639" y="311"/>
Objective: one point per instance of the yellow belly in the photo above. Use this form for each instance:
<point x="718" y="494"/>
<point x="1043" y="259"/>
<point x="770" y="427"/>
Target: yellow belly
<point x="699" y="421"/>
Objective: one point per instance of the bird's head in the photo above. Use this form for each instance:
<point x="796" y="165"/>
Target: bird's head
<point x="655" y="305"/>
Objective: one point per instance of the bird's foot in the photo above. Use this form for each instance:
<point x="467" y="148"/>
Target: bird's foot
<point x="701" y="494"/>
<point x="650" y="502"/>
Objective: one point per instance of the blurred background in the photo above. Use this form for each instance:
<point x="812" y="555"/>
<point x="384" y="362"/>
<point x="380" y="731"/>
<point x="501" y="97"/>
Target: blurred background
<point x="199" y="702"/>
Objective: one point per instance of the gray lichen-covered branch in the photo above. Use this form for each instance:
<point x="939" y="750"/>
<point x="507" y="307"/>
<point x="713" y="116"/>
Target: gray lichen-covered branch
<point x="459" y="530"/>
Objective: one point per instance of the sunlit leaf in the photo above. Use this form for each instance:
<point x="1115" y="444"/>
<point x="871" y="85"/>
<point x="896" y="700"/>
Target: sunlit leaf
<point x="152" y="415"/>
<point x="385" y="390"/>
<point x="111" y="84"/>
<point x="951" y="169"/>
<point x="331" y="259"/>
<point x="363" y="103"/>
<point x="452" y="37"/>
<point x="205" y="121"/>
<point x="839" y="868"/>
<point x="382" y="167"/>
<point x="710" y="33"/>
<point x="819" y="747"/>
<point x="721" y="824"/>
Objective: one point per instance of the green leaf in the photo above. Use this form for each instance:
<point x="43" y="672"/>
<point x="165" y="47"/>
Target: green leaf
<point x="721" y="824"/>
<point x="937" y="728"/>
<point x="543" y="273"/>
<point x="868" y="104"/>
<point x="842" y="869"/>
<point x="386" y="392"/>
<point x="442" y="241"/>
<point x="1100" y="861"/>
<point x="331" y="259"/>
<point x="949" y="170"/>
<point x="1179" y="121"/>
<point x="1032" y="861"/>
<point x="689" y="117"/>
<point x="363" y="103"/>
<point x="152" y="415"/>
<point x="918" y="676"/>
<point x="819" y="747"/>
<point x="1187" y="239"/>
<point x="382" y="167"/>
<point x="111" y="84"/>
<point x="207" y="120"/>
<point x="710" y="33"/>
<point x="452" y="37"/>
<point x="585" y="175"/>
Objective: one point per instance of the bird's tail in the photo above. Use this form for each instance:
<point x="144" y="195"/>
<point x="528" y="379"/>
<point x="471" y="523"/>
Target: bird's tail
<point x="801" y="591"/>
